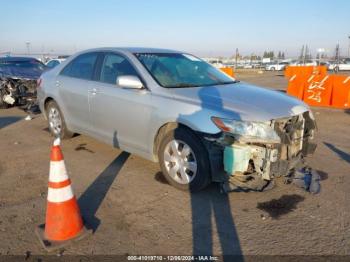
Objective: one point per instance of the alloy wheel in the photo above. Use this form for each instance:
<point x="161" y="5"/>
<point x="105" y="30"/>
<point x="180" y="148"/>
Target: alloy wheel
<point x="180" y="161"/>
<point x="55" y="121"/>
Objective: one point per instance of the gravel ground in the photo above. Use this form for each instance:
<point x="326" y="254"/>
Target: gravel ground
<point x="134" y="211"/>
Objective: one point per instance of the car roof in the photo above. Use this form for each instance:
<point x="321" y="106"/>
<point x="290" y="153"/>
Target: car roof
<point x="57" y="59"/>
<point x="134" y="50"/>
<point x="17" y="59"/>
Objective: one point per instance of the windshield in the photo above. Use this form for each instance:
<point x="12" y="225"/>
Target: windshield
<point x="173" y="70"/>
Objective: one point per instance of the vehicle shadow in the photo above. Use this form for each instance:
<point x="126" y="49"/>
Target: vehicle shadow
<point x="345" y="156"/>
<point x="210" y="207"/>
<point x="8" y="120"/>
<point x="93" y="196"/>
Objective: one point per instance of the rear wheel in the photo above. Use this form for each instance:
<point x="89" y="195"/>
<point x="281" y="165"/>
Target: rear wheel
<point x="184" y="160"/>
<point x="57" y="124"/>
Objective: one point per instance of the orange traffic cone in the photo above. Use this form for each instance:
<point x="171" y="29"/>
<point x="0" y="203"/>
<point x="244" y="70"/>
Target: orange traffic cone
<point x="63" y="219"/>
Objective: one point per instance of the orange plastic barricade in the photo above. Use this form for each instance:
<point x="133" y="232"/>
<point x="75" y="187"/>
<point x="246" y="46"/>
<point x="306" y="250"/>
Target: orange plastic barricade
<point x="314" y="70"/>
<point x="319" y="70"/>
<point x="318" y="90"/>
<point x="341" y="91"/>
<point x="228" y="70"/>
<point x="289" y="71"/>
<point x="305" y="71"/>
<point x="296" y="86"/>
<point x="295" y="70"/>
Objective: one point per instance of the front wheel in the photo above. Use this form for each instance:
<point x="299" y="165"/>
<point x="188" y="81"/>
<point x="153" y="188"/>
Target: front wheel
<point x="57" y="124"/>
<point x="184" y="160"/>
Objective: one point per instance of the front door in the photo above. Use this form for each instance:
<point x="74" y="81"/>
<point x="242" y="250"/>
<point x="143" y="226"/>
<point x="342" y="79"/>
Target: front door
<point x="120" y="116"/>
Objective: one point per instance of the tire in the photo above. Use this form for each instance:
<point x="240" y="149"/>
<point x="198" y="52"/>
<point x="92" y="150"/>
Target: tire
<point x="273" y="69"/>
<point x="56" y="122"/>
<point x="3" y="104"/>
<point x="191" y="153"/>
<point x="336" y="69"/>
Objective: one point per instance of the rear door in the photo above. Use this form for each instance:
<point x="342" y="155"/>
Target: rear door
<point x="74" y="83"/>
<point x="120" y="116"/>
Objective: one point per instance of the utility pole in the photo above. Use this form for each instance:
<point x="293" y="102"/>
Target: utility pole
<point x="28" y="47"/>
<point x="349" y="47"/>
<point x="236" y="58"/>
<point x="337" y="54"/>
<point x="306" y="56"/>
<point x="301" y="57"/>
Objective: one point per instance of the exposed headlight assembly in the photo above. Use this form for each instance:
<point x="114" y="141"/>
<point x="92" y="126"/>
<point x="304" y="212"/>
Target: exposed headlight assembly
<point x="245" y="131"/>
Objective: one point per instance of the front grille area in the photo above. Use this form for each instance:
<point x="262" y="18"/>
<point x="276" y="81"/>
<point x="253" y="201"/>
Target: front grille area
<point x="291" y="131"/>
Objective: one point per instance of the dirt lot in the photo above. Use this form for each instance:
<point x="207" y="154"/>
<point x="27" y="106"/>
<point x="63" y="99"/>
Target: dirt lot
<point x="134" y="211"/>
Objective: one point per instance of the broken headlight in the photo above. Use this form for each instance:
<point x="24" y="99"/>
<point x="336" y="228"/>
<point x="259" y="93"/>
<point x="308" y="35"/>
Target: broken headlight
<point x="247" y="131"/>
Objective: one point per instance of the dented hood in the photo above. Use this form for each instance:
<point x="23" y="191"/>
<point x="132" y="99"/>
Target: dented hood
<point x="21" y="73"/>
<point x="21" y="68"/>
<point x="242" y="101"/>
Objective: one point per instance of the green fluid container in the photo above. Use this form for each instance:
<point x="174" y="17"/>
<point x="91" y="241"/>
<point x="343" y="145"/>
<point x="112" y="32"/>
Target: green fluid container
<point x="236" y="158"/>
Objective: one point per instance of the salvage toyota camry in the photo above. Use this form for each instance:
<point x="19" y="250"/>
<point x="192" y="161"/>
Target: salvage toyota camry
<point x="171" y="107"/>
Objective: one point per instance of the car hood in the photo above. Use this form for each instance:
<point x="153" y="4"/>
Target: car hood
<point x="242" y="101"/>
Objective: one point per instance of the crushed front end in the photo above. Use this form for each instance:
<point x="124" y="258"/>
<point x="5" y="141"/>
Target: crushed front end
<point x="255" y="153"/>
<point x="18" y="91"/>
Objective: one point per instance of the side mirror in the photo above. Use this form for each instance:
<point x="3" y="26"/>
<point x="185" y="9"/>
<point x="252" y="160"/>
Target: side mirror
<point x="129" y="81"/>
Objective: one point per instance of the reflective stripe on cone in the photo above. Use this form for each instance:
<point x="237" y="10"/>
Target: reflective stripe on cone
<point x="57" y="195"/>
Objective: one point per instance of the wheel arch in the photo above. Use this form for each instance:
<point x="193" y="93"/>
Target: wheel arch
<point x="66" y="132"/>
<point x="46" y="102"/>
<point x="215" y="152"/>
<point x="205" y="175"/>
<point x="165" y="128"/>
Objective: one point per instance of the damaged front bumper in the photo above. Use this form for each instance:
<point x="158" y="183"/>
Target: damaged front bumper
<point x="19" y="91"/>
<point x="254" y="165"/>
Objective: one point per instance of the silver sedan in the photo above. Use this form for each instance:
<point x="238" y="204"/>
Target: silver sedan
<point x="171" y="107"/>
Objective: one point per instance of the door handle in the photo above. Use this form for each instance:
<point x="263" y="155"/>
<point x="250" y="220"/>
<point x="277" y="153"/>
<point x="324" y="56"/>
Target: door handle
<point x="94" y="91"/>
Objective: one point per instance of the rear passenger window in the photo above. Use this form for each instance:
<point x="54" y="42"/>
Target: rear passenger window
<point x="81" y="67"/>
<point x="113" y="66"/>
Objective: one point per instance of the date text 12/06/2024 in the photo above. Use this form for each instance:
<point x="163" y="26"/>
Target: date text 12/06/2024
<point x="172" y="258"/>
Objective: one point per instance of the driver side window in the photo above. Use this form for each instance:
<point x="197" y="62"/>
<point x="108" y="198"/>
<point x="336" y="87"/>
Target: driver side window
<point x="114" y="66"/>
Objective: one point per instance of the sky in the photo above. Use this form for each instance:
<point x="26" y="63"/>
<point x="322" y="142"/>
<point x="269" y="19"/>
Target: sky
<point x="201" y="27"/>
